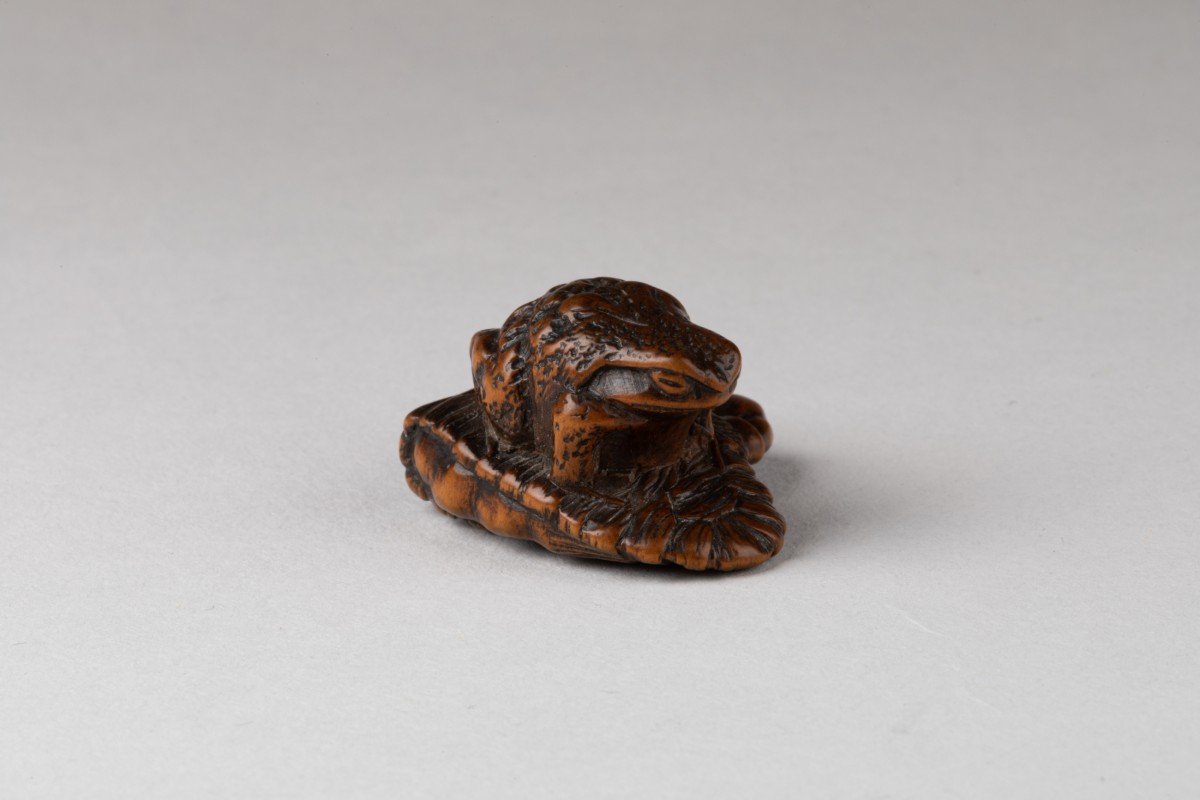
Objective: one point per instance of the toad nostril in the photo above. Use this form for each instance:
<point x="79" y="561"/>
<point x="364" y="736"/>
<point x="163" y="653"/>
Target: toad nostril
<point x="670" y="382"/>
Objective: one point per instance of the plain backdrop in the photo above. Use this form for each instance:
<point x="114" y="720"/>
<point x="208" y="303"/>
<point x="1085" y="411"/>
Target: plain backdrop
<point x="958" y="244"/>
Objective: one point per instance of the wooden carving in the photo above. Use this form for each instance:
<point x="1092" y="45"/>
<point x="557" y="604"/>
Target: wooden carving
<point x="602" y="424"/>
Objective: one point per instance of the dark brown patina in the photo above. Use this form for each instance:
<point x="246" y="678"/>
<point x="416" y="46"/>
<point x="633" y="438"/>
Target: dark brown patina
<point x="603" y="423"/>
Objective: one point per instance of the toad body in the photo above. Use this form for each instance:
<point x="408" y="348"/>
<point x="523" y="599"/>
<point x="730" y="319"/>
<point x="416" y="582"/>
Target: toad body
<point x="602" y="424"/>
<point x="606" y="378"/>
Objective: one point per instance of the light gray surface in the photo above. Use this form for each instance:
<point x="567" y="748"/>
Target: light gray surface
<point x="959" y="247"/>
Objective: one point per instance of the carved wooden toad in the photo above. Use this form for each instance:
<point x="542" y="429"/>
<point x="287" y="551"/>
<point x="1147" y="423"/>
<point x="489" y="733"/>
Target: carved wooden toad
<point x="602" y="424"/>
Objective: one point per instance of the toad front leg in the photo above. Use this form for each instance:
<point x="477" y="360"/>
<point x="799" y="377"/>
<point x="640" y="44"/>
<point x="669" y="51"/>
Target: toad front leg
<point x="612" y="447"/>
<point x="579" y="428"/>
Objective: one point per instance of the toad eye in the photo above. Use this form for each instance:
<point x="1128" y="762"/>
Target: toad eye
<point x="619" y="382"/>
<point x="670" y="383"/>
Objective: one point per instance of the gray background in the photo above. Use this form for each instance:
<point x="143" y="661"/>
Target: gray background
<point x="958" y="244"/>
